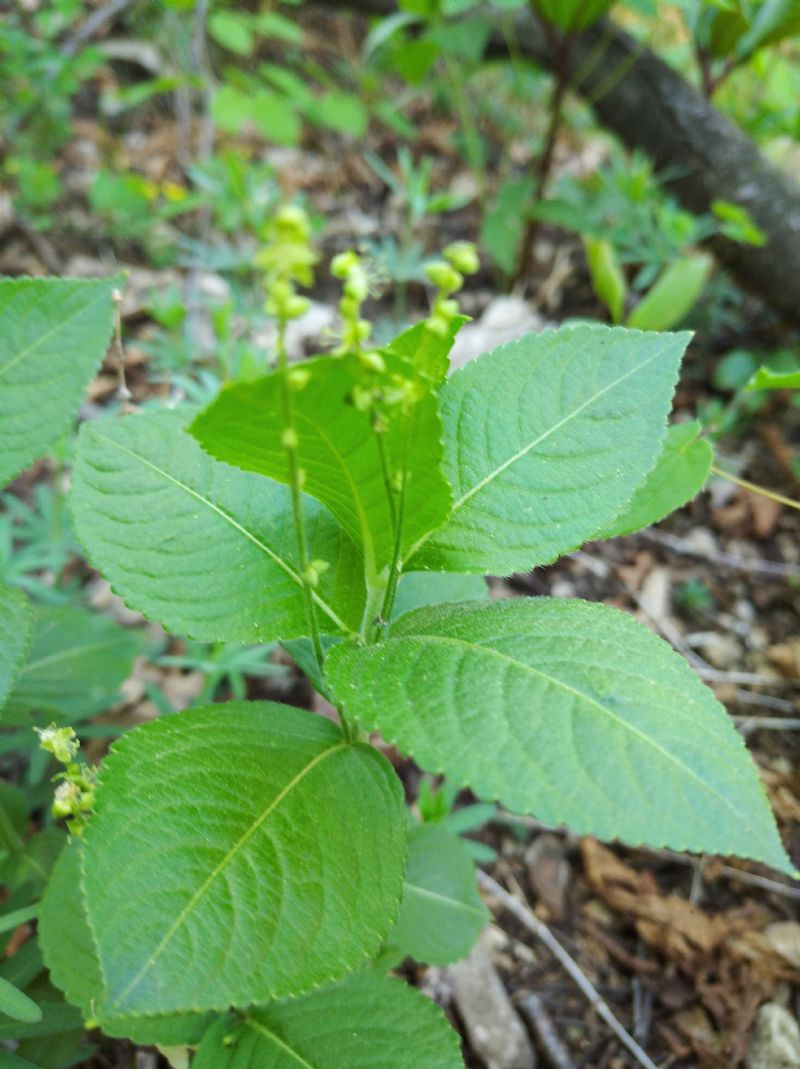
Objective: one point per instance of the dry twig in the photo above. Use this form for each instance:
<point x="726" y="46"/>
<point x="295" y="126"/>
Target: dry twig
<point x="540" y="1023"/>
<point x="528" y="918"/>
<point x="756" y="566"/>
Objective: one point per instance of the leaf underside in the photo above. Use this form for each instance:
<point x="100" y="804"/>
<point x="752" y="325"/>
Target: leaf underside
<point x="441" y="914"/>
<point x="546" y="439"/>
<point x="204" y="549"/>
<point x="53" y="334"/>
<point x="235" y="883"/>
<point x="570" y="711"/>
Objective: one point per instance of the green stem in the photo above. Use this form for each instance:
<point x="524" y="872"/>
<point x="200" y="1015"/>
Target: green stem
<point x="297" y="499"/>
<point x="395" y="568"/>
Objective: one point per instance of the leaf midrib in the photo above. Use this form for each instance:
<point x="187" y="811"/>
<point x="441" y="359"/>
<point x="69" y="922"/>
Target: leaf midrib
<point x="492" y="475"/>
<point x="279" y="561"/>
<point x="582" y="696"/>
<point x="264" y="1031"/>
<point x="240" y="843"/>
<point x="453" y="903"/>
<point x="73" y="651"/>
<point x="61" y="325"/>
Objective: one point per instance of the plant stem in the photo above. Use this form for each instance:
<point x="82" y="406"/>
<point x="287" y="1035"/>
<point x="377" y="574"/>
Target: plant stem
<point x="297" y="499"/>
<point x="755" y="488"/>
<point x="562" y="46"/>
<point x="395" y="567"/>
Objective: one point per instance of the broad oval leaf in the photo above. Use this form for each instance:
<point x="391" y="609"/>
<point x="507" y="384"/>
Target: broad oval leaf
<point x="53" y="334"/>
<point x="339" y="451"/>
<point x="546" y="439"/>
<point x="571" y="711"/>
<point x="71" y="956"/>
<point x="77" y="662"/>
<point x="673" y="295"/>
<point x="238" y="853"/>
<point x="16" y="625"/>
<point x="441" y="914"/>
<point x="368" y="1021"/>
<point x="206" y="550"/>
<point x="679" y="474"/>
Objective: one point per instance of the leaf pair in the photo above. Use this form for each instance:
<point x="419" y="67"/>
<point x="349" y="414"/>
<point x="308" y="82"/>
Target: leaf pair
<point x="545" y="440"/>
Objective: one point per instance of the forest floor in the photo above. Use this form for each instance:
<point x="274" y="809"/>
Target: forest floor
<point x="684" y="950"/>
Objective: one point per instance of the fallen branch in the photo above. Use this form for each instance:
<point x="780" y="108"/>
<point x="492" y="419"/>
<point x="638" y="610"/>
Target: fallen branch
<point x="556" y="1054"/>
<point x="529" y="919"/>
<point x="650" y="106"/>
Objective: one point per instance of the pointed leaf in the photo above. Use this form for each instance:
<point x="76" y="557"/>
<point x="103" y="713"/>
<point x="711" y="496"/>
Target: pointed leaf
<point x="546" y="439"/>
<point x="16" y="625"/>
<point x="338" y="450"/>
<point x="71" y="956"/>
<point x="570" y="711"/>
<point x="77" y="662"/>
<point x="673" y="295"/>
<point x="53" y="334"/>
<point x="368" y="1021"/>
<point x="679" y="474"/>
<point x="14" y="1003"/>
<point x="266" y="856"/>
<point x="206" y="550"/>
<point x="441" y="914"/>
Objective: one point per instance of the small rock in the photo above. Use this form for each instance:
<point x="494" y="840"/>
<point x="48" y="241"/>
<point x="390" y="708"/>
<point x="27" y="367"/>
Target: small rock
<point x="786" y="657"/>
<point x="505" y="319"/>
<point x="495" y="1032"/>
<point x="722" y="651"/>
<point x="702" y="540"/>
<point x="776" y="1040"/>
<point x="548" y="872"/>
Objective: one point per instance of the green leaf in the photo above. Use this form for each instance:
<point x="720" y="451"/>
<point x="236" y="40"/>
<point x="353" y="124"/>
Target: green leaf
<point x="416" y="589"/>
<point x="441" y="914"/>
<point x="341" y="111"/>
<point x="427" y="350"/>
<point x="338" y="450"/>
<point x="71" y="956"/>
<point x="232" y="31"/>
<point x="206" y="550"/>
<point x="568" y="710"/>
<point x="56" y="1017"/>
<point x="16" y="625"/>
<point x="572" y="14"/>
<point x="546" y="439"/>
<point x="607" y="277"/>
<point x="14" y="1003"/>
<point x="673" y="295"/>
<point x="502" y="228"/>
<point x="679" y="474"/>
<point x="77" y="662"/>
<point x="767" y="379"/>
<point x="53" y="334"/>
<point x="265" y="857"/>
<point x="368" y="1021"/>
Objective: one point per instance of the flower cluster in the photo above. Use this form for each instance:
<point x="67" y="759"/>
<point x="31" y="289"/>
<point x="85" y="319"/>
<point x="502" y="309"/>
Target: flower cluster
<point x="74" y="795"/>
<point x="447" y="274"/>
<point x="287" y="261"/>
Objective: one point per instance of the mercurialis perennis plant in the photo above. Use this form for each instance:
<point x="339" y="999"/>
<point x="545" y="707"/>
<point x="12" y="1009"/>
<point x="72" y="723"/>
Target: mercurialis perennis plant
<point x="245" y="873"/>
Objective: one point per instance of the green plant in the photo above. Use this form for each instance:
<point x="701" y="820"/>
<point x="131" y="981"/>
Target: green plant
<point x="302" y="506"/>
<point x="39" y="78"/>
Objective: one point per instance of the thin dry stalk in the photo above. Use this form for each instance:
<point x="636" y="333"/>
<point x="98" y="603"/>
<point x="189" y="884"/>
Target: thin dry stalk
<point x="528" y="918"/>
